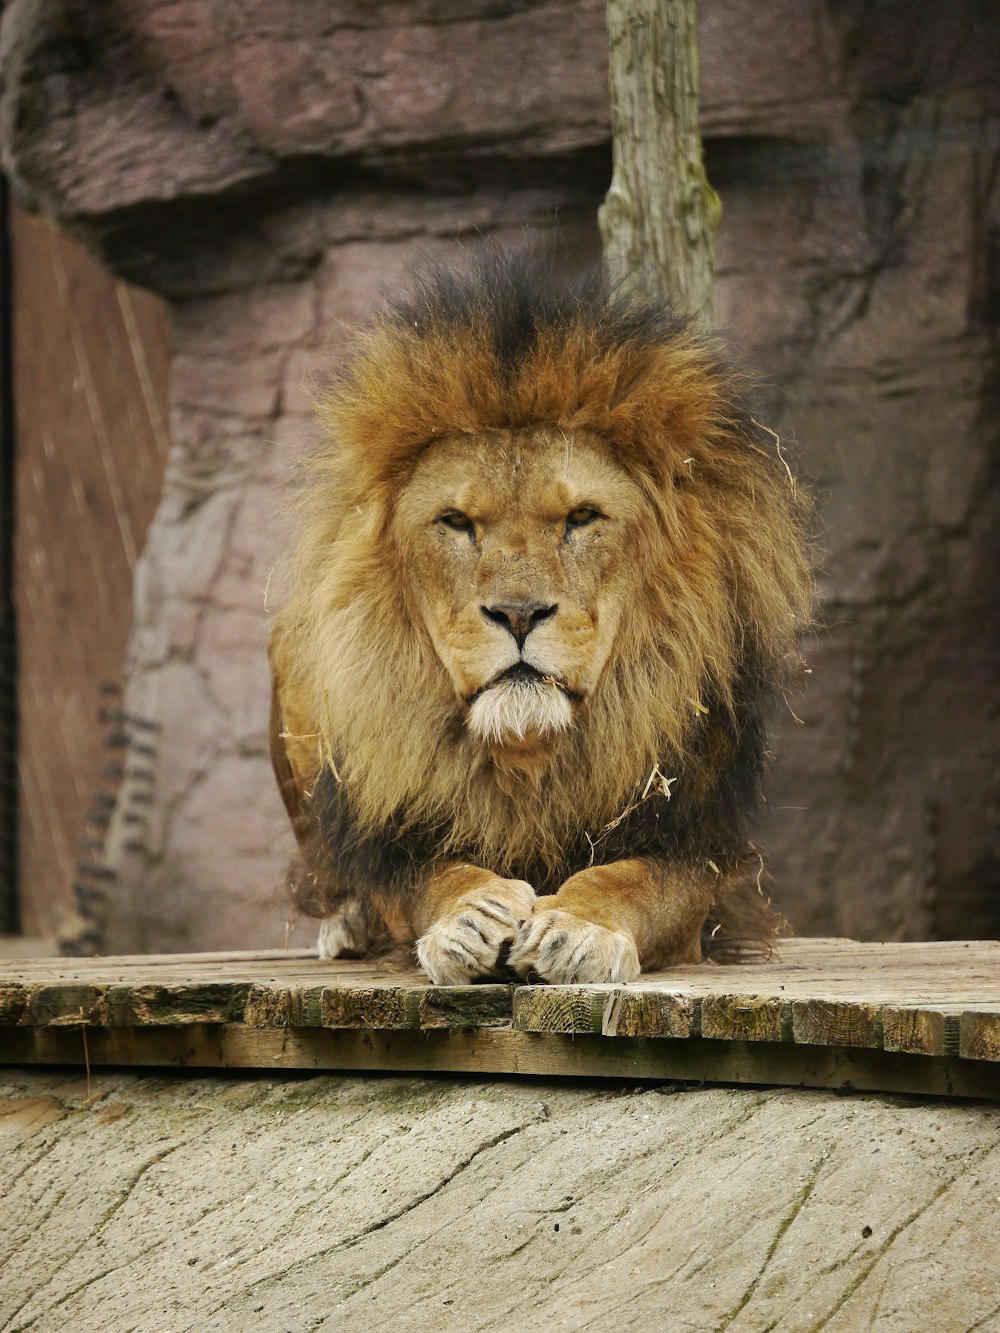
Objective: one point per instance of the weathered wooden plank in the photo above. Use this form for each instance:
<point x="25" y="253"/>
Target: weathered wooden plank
<point x="836" y="1023"/>
<point x="464" y="1007"/>
<point x="906" y="1003"/>
<point x="171" y="1005"/>
<point x="370" y="1007"/>
<point x="558" y="1008"/>
<point x="961" y="975"/>
<point x="607" y="1010"/>
<point x="284" y="1006"/>
<point x="745" y="1018"/>
<point x="503" y="1051"/>
<point x="919" y="1031"/>
<point x="979" y="1035"/>
<point x="378" y="1007"/>
<point x="76" y="1002"/>
<point x="630" y="1013"/>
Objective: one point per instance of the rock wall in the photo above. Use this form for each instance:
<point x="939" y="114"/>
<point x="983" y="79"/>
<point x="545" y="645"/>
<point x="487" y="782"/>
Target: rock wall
<point x="270" y="167"/>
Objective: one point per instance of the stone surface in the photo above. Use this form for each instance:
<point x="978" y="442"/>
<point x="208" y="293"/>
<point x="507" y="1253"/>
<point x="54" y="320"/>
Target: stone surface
<point x="176" y="104"/>
<point x="285" y="1205"/>
<point x="270" y="167"/>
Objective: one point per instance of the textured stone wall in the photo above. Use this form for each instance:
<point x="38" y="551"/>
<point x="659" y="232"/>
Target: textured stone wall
<point x="270" y="167"/>
<point x="861" y="262"/>
<point x="211" y="1204"/>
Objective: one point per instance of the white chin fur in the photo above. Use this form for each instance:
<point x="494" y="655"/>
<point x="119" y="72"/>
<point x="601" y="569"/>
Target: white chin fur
<point x="516" y="710"/>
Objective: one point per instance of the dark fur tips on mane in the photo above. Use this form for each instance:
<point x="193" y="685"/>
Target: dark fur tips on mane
<point x="516" y="297"/>
<point x="503" y="344"/>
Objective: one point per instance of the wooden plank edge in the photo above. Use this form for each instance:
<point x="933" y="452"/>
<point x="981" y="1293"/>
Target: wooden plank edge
<point x="505" y="1051"/>
<point x="611" y="1011"/>
<point x="378" y="1008"/>
<point x="68" y="1004"/>
<point x="979" y="1035"/>
<point x="933" y="1030"/>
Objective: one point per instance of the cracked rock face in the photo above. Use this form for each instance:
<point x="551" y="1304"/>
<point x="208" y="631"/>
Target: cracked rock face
<point x="342" y="1202"/>
<point x="271" y="167"/>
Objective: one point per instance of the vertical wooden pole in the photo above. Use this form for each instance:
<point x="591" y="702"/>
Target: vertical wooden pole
<point x="10" y="907"/>
<point x="660" y="216"/>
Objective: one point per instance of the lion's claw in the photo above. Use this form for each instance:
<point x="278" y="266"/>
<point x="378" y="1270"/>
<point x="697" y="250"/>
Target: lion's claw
<point x="472" y="941"/>
<point x="565" y="949"/>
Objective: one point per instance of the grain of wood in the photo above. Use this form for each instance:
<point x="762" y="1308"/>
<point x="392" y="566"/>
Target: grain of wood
<point x="660" y="216"/>
<point x="555" y="1009"/>
<point x="465" y="1007"/>
<point x="745" y="1018"/>
<point x="284" y="1006"/>
<point x="369" y="1007"/>
<point x="979" y="1035"/>
<point x="919" y="1031"/>
<point x="644" y="1014"/>
<point x="836" y="1023"/>
<point x="176" y="1004"/>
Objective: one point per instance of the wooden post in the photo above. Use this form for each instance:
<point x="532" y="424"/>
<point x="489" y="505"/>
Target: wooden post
<point x="10" y="908"/>
<point x="660" y="216"/>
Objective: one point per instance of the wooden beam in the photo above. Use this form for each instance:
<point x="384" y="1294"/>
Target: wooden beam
<point x="827" y="1013"/>
<point x="501" y="1051"/>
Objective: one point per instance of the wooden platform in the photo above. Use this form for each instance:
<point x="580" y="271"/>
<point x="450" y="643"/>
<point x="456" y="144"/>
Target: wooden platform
<point x="919" y="1018"/>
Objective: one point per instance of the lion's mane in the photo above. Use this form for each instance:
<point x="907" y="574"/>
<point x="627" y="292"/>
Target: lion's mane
<point x="393" y="777"/>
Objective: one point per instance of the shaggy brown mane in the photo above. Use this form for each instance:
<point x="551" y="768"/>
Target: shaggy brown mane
<point x="724" y="571"/>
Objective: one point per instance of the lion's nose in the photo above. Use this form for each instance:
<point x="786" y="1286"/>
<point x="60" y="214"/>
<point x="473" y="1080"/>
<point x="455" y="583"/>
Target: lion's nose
<point x="519" y="617"/>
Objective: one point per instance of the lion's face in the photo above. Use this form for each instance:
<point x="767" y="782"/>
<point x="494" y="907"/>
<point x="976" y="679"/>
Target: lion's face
<point x="521" y="552"/>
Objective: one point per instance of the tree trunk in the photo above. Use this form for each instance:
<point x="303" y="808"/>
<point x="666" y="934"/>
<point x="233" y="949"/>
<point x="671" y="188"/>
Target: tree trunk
<point x="660" y="216"/>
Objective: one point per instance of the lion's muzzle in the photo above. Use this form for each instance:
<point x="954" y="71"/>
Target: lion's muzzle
<point x="519" y="705"/>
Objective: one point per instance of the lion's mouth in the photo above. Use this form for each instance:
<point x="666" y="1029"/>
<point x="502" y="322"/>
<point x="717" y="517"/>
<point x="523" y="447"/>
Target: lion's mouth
<point x="519" y="704"/>
<point x="524" y="675"/>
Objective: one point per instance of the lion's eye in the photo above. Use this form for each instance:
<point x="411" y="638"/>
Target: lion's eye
<point x="454" y="518"/>
<point x="580" y="517"/>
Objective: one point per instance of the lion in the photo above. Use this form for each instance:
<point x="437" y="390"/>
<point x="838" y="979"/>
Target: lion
<point x="549" y="571"/>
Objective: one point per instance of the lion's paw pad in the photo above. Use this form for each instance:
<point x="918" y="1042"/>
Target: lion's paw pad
<point x="472" y="940"/>
<point x="565" y="949"/>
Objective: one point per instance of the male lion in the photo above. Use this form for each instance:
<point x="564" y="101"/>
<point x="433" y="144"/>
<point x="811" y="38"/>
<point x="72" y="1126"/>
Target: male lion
<point x="549" y="571"/>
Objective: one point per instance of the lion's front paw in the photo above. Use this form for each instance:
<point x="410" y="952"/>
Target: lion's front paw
<point x="468" y="943"/>
<point x="345" y="933"/>
<point x="564" y="949"/>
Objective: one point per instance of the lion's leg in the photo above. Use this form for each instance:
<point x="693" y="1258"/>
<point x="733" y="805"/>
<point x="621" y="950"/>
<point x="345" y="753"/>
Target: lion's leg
<point x="608" y="922"/>
<point x="465" y="919"/>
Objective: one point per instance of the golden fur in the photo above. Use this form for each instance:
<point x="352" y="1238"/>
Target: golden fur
<point x="716" y="574"/>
